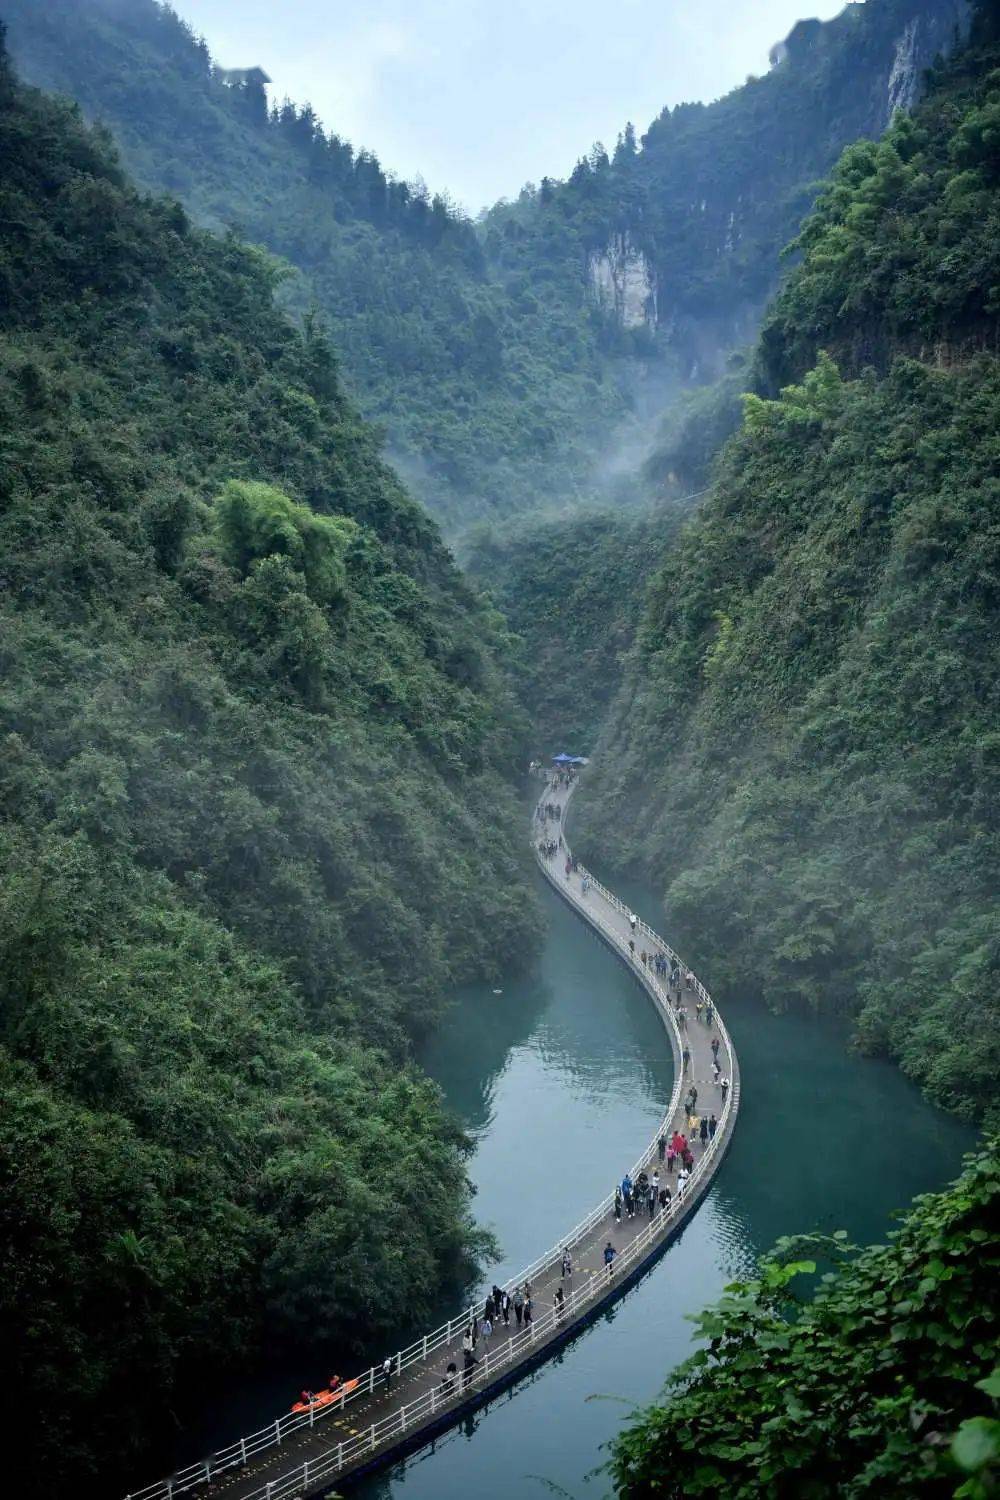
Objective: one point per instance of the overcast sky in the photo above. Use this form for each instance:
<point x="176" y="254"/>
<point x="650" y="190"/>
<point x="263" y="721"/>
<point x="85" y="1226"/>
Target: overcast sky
<point x="481" y="96"/>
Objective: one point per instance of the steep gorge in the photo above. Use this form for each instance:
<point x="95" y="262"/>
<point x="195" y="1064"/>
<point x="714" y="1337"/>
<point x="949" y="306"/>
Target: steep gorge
<point x="803" y="753"/>
<point x="506" y="358"/>
<point x="258" y="733"/>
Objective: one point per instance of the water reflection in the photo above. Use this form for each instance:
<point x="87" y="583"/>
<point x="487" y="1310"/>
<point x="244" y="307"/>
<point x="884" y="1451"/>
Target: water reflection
<point x="826" y="1140"/>
<point x="582" y="1086"/>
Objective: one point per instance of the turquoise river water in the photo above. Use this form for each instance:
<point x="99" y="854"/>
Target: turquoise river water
<point x="560" y="1080"/>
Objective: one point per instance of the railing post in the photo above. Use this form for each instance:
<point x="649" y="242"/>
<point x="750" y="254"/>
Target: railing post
<point x="305" y="1471"/>
<point x="312" y="1413"/>
<point x="423" y="1354"/>
<point x="371" y="1380"/>
<point x="399" y="1360"/>
<point x="277" y="1431"/>
<point x="208" y="1470"/>
<point x="373" y="1436"/>
<point x="243" y="1450"/>
<point x="433" y="1398"/>
<point x="340" y="1455"/>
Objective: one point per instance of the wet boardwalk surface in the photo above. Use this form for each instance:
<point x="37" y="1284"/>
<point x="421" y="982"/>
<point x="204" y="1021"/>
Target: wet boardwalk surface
<point x="333" y="1443"/>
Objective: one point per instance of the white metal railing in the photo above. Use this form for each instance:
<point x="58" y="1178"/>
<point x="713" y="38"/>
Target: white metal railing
<point x="390" y="1429"/>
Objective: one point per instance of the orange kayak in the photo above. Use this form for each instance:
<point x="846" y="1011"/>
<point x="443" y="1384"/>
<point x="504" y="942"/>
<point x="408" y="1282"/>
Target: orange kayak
<point x="326" y="1398"/>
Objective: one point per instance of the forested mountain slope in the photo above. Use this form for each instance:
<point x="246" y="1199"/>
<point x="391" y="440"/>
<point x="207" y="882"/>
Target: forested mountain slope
<point x="697" y="218"/>
<point x="255" y="745"/>
<point x="488" y="384"/>
<point x="572" y="592"/>
<point x="805" y="755"/>
<point x="508" y="360"/>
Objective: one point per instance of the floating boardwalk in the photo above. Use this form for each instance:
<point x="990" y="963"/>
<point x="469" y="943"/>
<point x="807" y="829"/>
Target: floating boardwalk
<point x="312" y="1453"/>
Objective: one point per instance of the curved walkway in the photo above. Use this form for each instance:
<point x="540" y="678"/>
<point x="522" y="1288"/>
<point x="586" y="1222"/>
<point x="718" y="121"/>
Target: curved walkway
<point x="303" y="1454"/>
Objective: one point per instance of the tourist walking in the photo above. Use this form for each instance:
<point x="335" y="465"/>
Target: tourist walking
<point x="713" y="1126"/>
<point x="703" y="1130"/>
<point x="505" y="1309"/>
<point x="618" y="1205"/>
<point x="529" y="1311"/>
<point x="387" y="1374"/>
<point x="724" y="1085"/>
<point x="661" y="1146"/>
<point x="715" y="1046"/>
<point x="567" y="1264"/>
<point x="558" y="1303"/>
<point x="518" y="1306"/>
<point x="609" y="1258"/>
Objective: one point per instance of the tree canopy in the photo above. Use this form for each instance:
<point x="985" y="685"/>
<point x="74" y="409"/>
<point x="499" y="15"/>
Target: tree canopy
<point x="803" y="751"/>
<point x="256" y="760"/>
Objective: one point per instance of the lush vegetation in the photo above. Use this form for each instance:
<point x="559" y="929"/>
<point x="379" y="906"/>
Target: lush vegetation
<point x="502" y="383"/>
<point x="487" y="380"/>
<point x="805" y="752"/>
<point x="572" y="591"/>
<point x="255" y="744"/>
<point x="886" y="1383"/>
<point x="711" y="193"/>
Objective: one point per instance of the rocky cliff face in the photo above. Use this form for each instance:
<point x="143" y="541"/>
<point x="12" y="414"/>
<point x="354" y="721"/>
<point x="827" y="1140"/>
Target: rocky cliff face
<point x="922" y="39"/>
<point x="706" y="206"/>
<point x="894" y="42"/>
<point x="623" y="283"/>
